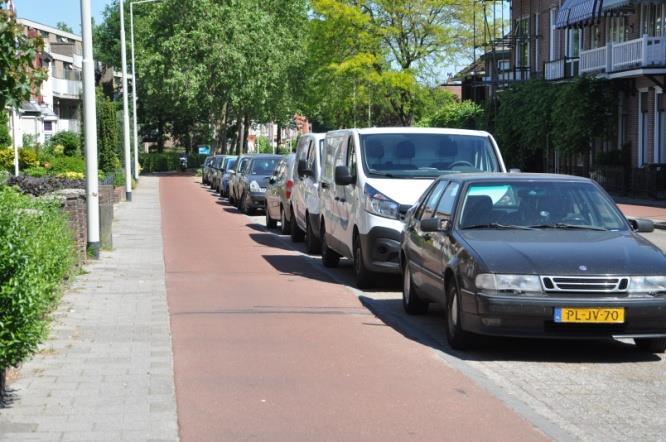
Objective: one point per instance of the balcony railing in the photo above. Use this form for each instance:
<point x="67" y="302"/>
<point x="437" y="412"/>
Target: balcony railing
<point x="69" y="125"/>
<point x="554" y="70"/>
<point x="67" y="88"/>
<point x="641" y="52"/>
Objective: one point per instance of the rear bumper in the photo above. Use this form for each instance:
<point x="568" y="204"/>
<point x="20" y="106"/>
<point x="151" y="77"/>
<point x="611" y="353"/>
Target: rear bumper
<point x="381" y="250"/>
<point x="534" y="317"/>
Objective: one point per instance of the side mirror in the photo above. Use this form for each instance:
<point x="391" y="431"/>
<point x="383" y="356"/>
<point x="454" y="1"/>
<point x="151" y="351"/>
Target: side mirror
<point x="434" y="225"/>
<point x="302" y="168"/>
<point x="641" y="225"/>
<point x="342" y="176"/>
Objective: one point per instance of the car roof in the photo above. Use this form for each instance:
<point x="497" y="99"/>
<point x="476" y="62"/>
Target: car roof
<point x="517" y="177"/>
<point x="263" y="156"/>
<point x="315" y="135"/>
<point x="412" y="130"/>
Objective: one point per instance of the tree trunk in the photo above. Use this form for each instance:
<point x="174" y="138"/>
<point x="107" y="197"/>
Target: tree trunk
<point x="223" y="129"/>
<point x="246" y="131"/>
<point x="279" y="135"/>
<point x="239" y="136"/>
<point x="160" y="134"/>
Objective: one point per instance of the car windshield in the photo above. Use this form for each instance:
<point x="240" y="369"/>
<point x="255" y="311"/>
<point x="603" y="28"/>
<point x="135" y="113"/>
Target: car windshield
<point x="427" y="155"/>
<point x="538" y="205"/>
<point x="231" y="163"/>
<point x="263" y="166"/>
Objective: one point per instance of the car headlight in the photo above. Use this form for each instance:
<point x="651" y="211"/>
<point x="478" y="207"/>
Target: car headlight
<point x="508" y="284"/>
<point x="379" y="204"/>
<point x="254" y="187"/>
<point x="654" y="285"/>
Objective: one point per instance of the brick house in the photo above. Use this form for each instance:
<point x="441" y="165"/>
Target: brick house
<point x="623" y="41"/>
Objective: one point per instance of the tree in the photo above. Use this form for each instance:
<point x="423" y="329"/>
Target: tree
<point x="5" y="137"/>
<point x="18" y="75"/>
<point x="64" y="27"/>
<point x="107" y="133"/>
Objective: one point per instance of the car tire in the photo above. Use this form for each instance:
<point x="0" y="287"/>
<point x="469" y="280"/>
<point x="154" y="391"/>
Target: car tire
<point x="285" y="227"/>
<point x="297" y="235"/>
<point x="270" y="222"/>
<point x="312" y="244"/>
<point x="330" y="258"/>
<point x="652" y="345"/>
<point x="457" y="338"/>
<point x="364" y="277"/>
<point x="411" y="302"/>
<point x="242" y="204"/>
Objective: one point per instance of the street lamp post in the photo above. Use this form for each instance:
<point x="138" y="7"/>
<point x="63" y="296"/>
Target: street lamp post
<point x="90" y="125"/>
<point x="126" y="125"/>
<point x="134" y="97"/>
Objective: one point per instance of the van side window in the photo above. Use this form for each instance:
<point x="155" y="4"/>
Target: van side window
<point x="311" y="160"/>
<point x="351" y="157"/>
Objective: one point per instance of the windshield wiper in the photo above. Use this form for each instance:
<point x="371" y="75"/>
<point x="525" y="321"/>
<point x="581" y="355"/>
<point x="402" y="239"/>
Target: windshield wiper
<point x="567" y="226"/>
<point x="496" y="226"/>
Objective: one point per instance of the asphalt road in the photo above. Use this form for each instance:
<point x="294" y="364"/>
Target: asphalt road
<point x="594" y="390"/>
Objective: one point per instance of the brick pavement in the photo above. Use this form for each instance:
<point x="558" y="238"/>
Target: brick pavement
<point x="106" y="372"/>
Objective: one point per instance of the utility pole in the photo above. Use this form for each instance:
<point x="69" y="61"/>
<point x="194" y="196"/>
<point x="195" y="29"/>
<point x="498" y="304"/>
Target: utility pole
<point x="126" y="125"/>
<point x="14" y="142"/>
<point x="134" y="122"/>
<point x="90" y="124"/>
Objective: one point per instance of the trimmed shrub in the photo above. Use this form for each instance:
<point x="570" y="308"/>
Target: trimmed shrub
<point x="70" y="142"/>
<point x="6" y="159"/>
<point x="38" y="186"/>
<point x="28" y="158"/>
<point x="107" y="133"/>
<point x="5" y="137"/>
<point x="36" y="255"/>
<point x="60" y="164"/>
<point x="167" y="161"/>
<point x="461" y="115"/>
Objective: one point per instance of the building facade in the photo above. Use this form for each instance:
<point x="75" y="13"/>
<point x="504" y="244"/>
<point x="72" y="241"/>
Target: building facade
<point x="56" y="106"/>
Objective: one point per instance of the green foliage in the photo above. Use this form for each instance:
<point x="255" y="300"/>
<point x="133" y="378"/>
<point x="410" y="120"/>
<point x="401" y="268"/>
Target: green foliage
<point x="61" y="164"/>
<point x="107" y="133"/>
<point x="460" y="115"/>
<point x="28" y="158"/>
<point x="29" y="140"/>
<point x="70" y="142"/>
<point x="36" y="255"/>
<point x="18" y="76"/>
<point x="167" y="161"/>
<point x="5" y="137"/>
<point x="37" y="171"/>
<point x="7" y="159"/>
<point x="64" y="27"/>
<point x="534" y="115"/>
<point x="264" y="145"/>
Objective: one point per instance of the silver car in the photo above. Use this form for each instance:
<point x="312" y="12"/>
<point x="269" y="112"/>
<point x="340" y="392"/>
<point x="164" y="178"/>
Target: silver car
<point x="278" y="194"/>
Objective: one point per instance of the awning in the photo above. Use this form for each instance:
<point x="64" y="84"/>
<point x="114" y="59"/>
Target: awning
<point x="611" y="5"/>
<point x="577" y="12"/>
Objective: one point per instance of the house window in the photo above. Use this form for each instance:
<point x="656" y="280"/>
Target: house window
<point x="652" y="20"/>
<point x="503" y="65"/>
<point x="574" y="41"/>
<point x="48" y="126"/>
<point x="523" y="44"/>
<point x="595" y="37"/>
<point x="553" y="35"/>
<point x="618" y="29"/>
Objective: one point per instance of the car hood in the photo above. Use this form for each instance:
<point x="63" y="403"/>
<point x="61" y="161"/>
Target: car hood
<point x="565" y="252"/>
<point x="402" y="191"/>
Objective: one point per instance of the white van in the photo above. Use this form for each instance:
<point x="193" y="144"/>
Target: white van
<point x="371" y="177"/>
<point x="305" y="193"/>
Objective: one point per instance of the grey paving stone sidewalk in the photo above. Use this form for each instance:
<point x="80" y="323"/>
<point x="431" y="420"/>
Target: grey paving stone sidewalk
<point x="106" y="372"/>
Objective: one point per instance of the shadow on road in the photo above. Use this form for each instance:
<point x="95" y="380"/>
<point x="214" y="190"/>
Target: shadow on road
<point x="429" y="330"/>
<point x="297" y="266"/>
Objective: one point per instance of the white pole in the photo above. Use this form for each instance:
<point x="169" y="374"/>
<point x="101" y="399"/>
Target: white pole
<point x="135" y="123"/>
<point x="126" y="125"/>
<point x="90" y="124"/>
<point x="15" y="143"/>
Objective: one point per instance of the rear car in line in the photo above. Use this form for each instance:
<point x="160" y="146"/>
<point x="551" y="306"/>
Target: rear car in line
<point x="529" y="255"/>
<point x="252" y="183"/>
<point x="279" y="193"/>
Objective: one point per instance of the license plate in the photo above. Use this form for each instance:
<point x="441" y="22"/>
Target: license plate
<point x="590" y="315"/>
<point x="263" y="189"/>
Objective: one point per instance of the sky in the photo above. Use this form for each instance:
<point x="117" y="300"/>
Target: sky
<point x="50" y="12"/>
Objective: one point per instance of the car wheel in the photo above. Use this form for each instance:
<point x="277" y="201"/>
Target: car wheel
<point x="312" y="244"/>
<point x="329" y="258"/>
<point x="652" y="345"/>
<point x="411" y="302"/>
<point x="285" y="227"/>
<point x="270" y="222"/>
<point x="242" y="204"/>
<point x="297" y="235"/>
<point x="458" y="338"/>
<point x="364" y="277"/>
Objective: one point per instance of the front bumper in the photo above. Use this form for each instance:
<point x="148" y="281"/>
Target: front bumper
<point x="381" y="250"/>
<point x="257" y="200"/>
<point x="534" y="317"/>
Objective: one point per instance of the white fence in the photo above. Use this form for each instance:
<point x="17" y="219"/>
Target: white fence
<point x="593" y="60"/>
<point x="67" y="88"/>
<point x="554" y="70"/>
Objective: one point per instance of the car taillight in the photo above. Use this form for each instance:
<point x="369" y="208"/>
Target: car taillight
<point x="290" y="184"/>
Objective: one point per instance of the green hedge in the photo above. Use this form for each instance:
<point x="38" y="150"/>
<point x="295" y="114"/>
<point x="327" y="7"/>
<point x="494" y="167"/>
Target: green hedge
<point x="167" y="161"/>
<point x="36" y="255"/>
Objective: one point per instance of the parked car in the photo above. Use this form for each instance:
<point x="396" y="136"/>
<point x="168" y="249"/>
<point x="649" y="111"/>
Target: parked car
<point x="533" y="255"/>
<point x="214" y="169"/>
<point x="279" y="193"/>
<point x="234" y="182"/>
<point x="227" y="165"/>
<point x="370" y="177"/>
<point x="304" y="210"/>
<point x="253" y="182"/>
<point x="204" y="169"/>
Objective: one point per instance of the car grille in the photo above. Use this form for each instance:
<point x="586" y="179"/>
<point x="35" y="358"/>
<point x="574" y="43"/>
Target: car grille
<point x="597" y="284"/>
